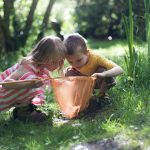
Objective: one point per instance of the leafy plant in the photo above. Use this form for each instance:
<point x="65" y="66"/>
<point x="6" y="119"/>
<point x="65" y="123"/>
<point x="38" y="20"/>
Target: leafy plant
<point x="147" y="20"/>
<point x="137" y="63"/>
<point x="131" y="57"/>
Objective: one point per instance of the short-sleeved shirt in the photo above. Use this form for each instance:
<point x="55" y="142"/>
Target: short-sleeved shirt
<point x="95" y="61"/>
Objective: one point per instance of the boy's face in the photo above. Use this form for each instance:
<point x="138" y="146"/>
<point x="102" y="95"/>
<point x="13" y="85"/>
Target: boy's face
<point x="77" y="60"/>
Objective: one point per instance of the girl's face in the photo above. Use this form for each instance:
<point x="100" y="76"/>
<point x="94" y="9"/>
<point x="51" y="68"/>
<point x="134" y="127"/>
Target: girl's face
<point x="78" y="60"/>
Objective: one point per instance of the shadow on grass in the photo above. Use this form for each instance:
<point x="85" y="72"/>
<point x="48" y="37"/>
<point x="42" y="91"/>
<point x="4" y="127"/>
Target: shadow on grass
<point x="18" y="135"/>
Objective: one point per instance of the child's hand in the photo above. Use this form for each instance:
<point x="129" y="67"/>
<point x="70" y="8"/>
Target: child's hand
<point x="102" y="75"/>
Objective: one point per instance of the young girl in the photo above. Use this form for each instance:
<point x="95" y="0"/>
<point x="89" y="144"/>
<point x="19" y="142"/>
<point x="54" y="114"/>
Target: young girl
<point x="46" y="56"/>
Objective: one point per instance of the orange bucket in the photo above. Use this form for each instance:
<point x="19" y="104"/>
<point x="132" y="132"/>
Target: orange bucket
<point x="73" y="94"/>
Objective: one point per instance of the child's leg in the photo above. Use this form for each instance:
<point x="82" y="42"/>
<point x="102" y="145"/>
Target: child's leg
<point x="104" y="84"/>
<point x="28" y="112"/>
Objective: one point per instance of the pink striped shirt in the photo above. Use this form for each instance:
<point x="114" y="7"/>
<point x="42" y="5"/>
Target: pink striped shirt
<point x="18" y="97"/>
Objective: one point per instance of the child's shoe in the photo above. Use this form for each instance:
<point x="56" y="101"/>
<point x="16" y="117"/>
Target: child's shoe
<point x="104" y="99"/>
<point x="29" y="113"/>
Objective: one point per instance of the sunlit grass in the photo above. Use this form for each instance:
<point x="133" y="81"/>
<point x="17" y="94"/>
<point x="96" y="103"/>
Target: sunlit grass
<point x="130" y="133"/>
<point x="126" y="120"/>
<point x="114" y="48"/>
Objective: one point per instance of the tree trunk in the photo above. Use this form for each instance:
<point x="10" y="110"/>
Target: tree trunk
<point x="45" y="19"/>
<point x="8" y="6"/>
<point x="2" y="41"/>
<point x="5" y="25"/>
<point x="29" y="22"/>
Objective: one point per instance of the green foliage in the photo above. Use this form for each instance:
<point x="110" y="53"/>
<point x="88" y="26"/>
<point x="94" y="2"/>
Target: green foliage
<point x="98" y="18"/>
<point x="147" y="20"/>
<point x="64" y="15"/>
<point x="17" y="26"/>
<point x="148" y="40"/>
<point x="101" y="18"/>
<point x="136" y="62"/>
<point x="142" y="71"/>
<point x="131" y="58"/>
<point x="7" y="60"/>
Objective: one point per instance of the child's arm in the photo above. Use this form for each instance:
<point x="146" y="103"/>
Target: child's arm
<point x="110" y="73"/>
<point x="15" y="76"/>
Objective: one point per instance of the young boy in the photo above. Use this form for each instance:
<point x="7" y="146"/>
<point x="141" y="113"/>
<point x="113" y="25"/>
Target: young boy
<point x="84" y="62"/>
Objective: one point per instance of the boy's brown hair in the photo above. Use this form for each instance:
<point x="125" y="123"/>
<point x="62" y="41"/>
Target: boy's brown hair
<point x="74" y="42"/>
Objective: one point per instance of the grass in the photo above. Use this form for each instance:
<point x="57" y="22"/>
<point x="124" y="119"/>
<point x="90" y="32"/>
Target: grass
<point x="106" y="48"/>
<point x="127" y="120"/>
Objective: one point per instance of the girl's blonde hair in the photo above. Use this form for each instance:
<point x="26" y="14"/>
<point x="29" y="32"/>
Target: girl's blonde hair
<point x="48" y="49"/>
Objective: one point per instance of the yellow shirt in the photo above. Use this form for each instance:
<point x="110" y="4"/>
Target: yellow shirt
<point x="95" y="61"/>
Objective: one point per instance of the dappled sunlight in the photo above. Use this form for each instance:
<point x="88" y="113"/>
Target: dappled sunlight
<point x="42" y="4"/>
<point x="114" y="48"/>
<point x="64" y="15"/>
<point x="107" y="48"/>
<point x="113" y="51"/>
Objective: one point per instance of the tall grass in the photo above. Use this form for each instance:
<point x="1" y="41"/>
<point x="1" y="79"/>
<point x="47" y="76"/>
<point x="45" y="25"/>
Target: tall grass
<point x="131" y="55"/>
<point x="137" y="63"/>
<point x="147" y="20"/>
